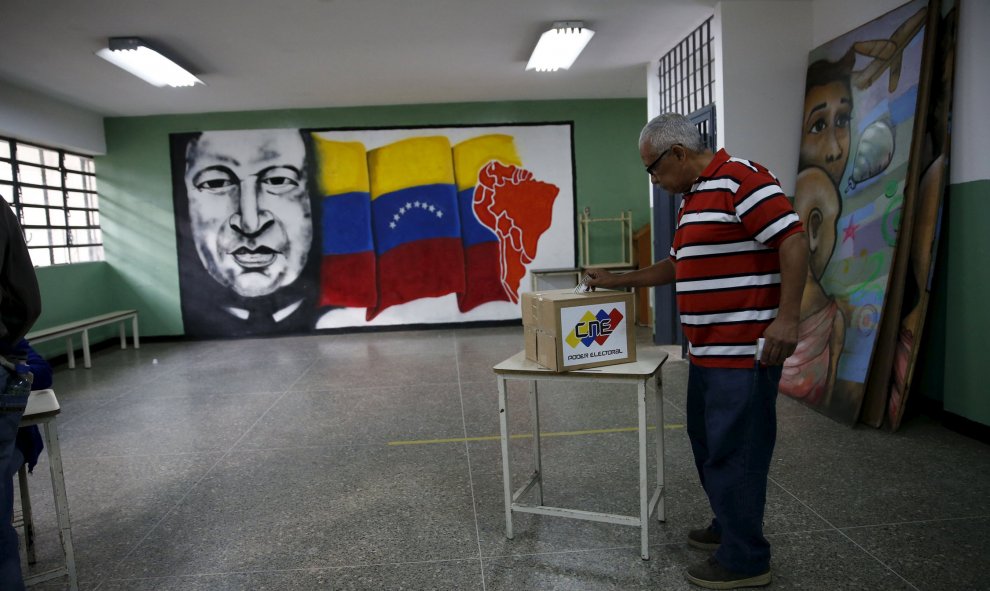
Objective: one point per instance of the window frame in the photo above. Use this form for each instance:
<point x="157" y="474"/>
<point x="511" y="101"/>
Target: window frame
<point x="67" y="194"/>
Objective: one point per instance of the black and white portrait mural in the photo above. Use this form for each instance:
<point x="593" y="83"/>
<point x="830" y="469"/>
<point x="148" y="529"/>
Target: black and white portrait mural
<point x="284" y="231"/>
<point x="248" y="254"/>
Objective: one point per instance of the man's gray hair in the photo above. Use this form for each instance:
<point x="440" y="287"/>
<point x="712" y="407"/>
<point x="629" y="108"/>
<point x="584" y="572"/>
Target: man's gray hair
<point x="663" y="131"/>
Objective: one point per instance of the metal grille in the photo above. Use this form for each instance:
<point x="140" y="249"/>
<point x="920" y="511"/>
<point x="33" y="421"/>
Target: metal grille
<point x="686" y="78"/>
<point x="53" y="193"/>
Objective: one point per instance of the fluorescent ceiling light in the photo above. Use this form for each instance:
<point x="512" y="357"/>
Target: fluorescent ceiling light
<point x="138" y="58"/>
<point x="559" y="47"/>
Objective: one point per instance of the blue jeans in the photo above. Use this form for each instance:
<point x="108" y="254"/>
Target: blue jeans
<point x="10" y="561"/>
<point x="732" y="424"/>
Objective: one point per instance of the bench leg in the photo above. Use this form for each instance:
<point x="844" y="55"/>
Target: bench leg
<point x="85" y="342"/>
<point x="134" y="330"/>
<point x="123" y="335"/>
<point x="26" y="514"/>
<point x="70" y="352"/>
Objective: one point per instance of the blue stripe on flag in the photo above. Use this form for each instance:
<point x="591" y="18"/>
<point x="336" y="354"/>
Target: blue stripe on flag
<point x="416" y="213"/>
<point x="347" y="223"/>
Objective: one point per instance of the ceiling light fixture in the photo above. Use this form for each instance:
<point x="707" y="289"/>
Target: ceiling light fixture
<point x="144" y="61"/>
<point x="559" y="47"/>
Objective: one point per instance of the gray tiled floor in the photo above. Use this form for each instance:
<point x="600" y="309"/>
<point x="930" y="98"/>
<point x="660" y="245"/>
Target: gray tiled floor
<point x="267" y="464"/>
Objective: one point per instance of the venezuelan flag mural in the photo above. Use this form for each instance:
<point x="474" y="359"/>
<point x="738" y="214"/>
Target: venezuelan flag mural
<point x="349" y="266"/>
<point x="288" y="231"/>
<point x="415" y="221"/>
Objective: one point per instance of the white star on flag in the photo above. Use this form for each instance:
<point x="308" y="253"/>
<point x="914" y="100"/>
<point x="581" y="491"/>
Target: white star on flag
<point x="395" y="217"/>
<point x="391" y="225"/>
<point x="432" y="209"/>
<point x="408" y="205"/>
<point x="439" y="214"/>
<point x="402" y="210"/>
<point x="416" y="203"/>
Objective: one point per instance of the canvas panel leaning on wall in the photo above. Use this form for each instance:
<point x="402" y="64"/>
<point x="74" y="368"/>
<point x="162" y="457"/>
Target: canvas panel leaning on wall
<point x="928" y="215"/>
<point x="861" y="97"/>
<point x="285" y="231"/>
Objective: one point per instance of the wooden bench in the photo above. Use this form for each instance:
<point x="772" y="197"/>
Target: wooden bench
<point x="82" y="327"/>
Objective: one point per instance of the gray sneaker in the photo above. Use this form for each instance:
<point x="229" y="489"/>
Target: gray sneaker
<point x="704" y="539"/>
<point x="712" y="575"/>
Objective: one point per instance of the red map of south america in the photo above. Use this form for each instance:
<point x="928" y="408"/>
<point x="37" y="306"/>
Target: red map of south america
<point x="519" y="210"/>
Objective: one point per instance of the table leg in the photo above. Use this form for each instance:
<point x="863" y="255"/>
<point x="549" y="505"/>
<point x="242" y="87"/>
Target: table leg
<point x="85" y="342"/>
<point x="658" y="411"/>
<point x="503" y="421"/>
<point x="134" y="330"/>
<point x="644" y="496"/>
<point x="26" y="515"/>
<point x="534" y="408"/>
<point x="123" y="336"/>
<point x="61" y="500"/>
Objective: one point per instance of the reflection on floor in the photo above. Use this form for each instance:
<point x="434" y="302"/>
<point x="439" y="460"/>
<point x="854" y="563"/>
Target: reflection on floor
<point x="266" y="464"/>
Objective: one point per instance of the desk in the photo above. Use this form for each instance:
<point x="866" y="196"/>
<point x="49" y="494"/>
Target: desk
<point x="646" y="366"/>
<point x="42" y="409"/>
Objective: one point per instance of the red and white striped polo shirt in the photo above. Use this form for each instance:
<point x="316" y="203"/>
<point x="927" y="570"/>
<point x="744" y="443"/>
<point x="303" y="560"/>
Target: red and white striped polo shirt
<point x="729" y="227"/>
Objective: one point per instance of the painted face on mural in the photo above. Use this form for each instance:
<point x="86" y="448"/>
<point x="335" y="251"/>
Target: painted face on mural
<point x="249" y="208"/>
<point x="825" y="137"/>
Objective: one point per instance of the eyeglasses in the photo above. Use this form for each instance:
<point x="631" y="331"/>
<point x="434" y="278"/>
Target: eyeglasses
<point x="649" y="169"/>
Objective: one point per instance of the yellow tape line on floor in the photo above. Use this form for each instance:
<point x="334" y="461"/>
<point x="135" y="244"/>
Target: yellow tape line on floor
<point x="668" y="427"/>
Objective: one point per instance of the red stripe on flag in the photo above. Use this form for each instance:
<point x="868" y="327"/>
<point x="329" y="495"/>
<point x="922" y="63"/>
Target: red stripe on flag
<point x="483" y="281"/>
<point x="348" y="280"/>
<point x="419" y="269"/>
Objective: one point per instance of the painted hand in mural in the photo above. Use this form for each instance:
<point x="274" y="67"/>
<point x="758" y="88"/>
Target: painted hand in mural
<point x="519" y="210"/>
<point x="888" y="54"/>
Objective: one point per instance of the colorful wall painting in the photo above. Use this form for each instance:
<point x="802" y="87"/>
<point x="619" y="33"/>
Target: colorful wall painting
<point x="287" y="231"/>
<point x="861" y="95"/>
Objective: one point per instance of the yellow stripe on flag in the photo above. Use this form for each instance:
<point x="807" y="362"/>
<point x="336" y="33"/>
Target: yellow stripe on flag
<point x="343" y="166"/>
<point x="470" y="155"/>
<point x="410" y="163"/>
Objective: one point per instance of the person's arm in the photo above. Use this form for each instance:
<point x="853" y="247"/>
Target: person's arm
<point x="782" y="334"/>
<point x="21" y="303"/>
<point x="660" y="273"/>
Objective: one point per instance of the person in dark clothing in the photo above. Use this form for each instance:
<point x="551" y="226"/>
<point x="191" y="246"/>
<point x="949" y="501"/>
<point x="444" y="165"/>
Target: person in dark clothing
<point x="20" y="306"/>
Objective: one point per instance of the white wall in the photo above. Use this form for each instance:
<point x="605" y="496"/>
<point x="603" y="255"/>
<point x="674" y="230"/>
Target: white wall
<point x="763" y="57"/>
<point x="971" y="95"/>
<point x="833" y="18"/>
<point x="27" y="115"/>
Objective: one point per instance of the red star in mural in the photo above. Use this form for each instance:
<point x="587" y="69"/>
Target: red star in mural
<point x="849" y="231"/>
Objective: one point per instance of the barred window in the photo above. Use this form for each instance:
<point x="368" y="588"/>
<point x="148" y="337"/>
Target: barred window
<point x="53" y="193"/>
<point x="686" y="79"/>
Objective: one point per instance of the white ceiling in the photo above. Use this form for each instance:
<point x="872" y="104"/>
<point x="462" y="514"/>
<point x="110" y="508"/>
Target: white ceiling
<point x="277" y="54"/>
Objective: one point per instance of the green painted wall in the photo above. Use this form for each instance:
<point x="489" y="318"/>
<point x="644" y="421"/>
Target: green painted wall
<point x="71" y="292"/>
<point x="136" y="189"/>
<point x="967" y="302"/>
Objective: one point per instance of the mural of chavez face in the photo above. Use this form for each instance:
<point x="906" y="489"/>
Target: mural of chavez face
<point x="825" y="136"/>
<point x="249" y="208"/>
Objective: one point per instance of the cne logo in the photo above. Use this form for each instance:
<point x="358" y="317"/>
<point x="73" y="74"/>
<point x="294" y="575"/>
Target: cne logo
<point x="594" y="328"/>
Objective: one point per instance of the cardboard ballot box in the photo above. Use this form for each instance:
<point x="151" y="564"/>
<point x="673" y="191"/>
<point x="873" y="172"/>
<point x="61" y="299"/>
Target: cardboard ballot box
<point x="566" y="330"/>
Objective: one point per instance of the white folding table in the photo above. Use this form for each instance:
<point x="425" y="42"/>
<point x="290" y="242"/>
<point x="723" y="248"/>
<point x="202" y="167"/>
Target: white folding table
<point x="638" y="373"/>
